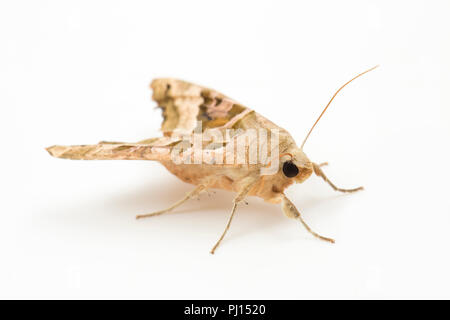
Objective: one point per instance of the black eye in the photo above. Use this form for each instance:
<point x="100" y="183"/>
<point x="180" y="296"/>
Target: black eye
<point x="290" y="170"/>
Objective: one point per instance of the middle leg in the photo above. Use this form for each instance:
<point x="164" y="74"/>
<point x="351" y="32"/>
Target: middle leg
<point x="246" y="186"/>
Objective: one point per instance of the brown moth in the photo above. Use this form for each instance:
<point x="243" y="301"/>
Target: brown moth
<point x="189" y="108"/>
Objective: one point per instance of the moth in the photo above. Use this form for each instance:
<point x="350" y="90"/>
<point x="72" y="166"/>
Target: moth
<point x="192" y="109"/>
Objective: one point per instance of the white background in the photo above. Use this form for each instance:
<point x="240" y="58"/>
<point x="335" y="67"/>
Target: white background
<point x="76" y="72"/>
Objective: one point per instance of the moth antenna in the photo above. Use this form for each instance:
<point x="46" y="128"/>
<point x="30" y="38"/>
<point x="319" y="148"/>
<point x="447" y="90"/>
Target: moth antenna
<point x="332" y="98"/>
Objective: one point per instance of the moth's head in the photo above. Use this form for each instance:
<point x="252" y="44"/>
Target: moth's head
<point x="295" y="165"/>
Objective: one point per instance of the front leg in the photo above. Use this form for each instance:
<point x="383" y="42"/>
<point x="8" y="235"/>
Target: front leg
<point x="318" y="171"/>
<point x="291" y="212"/>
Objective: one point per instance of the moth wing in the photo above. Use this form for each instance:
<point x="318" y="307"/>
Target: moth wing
<point x="157" y="149"/>
<point x="184" y="106"/>
<point x="144" y="151"/>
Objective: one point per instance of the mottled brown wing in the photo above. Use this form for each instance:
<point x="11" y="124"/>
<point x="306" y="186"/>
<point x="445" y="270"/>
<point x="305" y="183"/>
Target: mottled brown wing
<point x="184" y="105"/>
<point x="158" y="150"/>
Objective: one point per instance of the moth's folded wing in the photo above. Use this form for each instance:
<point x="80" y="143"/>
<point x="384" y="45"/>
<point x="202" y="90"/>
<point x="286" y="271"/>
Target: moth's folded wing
<point x="184" y="104"/>
<point x="136" y="151"/>
<point x="111" y="151"/>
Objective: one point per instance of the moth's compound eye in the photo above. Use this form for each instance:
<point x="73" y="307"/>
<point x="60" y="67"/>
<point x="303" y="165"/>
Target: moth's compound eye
<point x="290" y="170"/>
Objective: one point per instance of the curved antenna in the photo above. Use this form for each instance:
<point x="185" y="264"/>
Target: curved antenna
<point x="332" y="98"/>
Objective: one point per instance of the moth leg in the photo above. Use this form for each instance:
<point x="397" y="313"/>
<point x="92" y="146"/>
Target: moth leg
<point x="226" y="228"/>
<point x="291" y="212"/>
<point x="323" y="164"/>
<point x="320" y="173"/>
<point x="240" y="197"/>
<point x="188" y="196"/>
